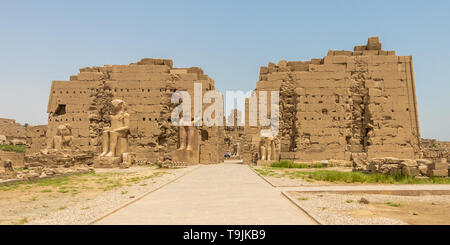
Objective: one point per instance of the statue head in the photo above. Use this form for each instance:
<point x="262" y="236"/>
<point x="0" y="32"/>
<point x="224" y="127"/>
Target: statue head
<point x="118" y="105"/>
<point x="64" y="130"/>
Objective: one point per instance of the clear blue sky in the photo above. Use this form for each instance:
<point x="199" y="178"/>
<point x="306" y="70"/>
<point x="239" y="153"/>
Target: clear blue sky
<point x="41" y="41"/>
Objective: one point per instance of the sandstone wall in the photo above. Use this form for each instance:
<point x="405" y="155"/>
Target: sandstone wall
<point x="36" y="138"/>
<point x="16" y="158"/>
<point x="146" y="87"/>
<point x="349" y="101"/>
<point x="11" y="129"/>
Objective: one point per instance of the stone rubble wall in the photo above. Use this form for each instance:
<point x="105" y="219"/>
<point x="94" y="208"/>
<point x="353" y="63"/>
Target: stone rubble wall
<point x="392" y="166"/>
<point x="36" y="138"/>
<point x="12" y="130"/>
<point x="46" y="163"/>
<point x="349" y="101"/>
<point x="12" y="133"/>
<point x="435" y="150"/>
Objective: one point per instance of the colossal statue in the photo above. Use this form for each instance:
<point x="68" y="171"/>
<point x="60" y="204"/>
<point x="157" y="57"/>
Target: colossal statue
<point x="63" y="140"/>
<point x="269" y="148"/>
<point x="236" y="150"/>
<point x="189" y="144"/>
<point x="115" y="138"/>
<point x="263" y="149"/>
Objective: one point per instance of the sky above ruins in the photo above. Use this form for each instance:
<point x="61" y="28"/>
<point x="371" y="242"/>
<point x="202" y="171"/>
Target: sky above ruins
<point x="43" y="41"/>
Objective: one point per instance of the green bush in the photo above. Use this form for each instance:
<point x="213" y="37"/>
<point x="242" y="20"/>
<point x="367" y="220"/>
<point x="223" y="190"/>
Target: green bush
<point x="289" y="164"/>
<point x="13" y="148"/>
<point x="393" y="204"/>
<point x="358" y="177"/>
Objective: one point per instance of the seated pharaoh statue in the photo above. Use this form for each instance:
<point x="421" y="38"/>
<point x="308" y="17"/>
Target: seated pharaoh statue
<point x="63" y="140"/>
<point x="115" y="138"/>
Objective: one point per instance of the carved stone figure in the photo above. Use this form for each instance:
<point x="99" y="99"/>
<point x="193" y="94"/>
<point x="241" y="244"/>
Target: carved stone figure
<point x="182" y="134"/>
<point x="186" y="134"/>
<point x="269" y="148"/>
<point x="192" y="133"/>
<point x="3" y="140"/>
<point x="10" y="173"/>
<point x="263" y="149"/>
<point x="236" y="150"/>
<point x="189" y="145"/>
<point x="115" y="138"/>
<point x="276" y="149"/>
<point x="63" y="140"/>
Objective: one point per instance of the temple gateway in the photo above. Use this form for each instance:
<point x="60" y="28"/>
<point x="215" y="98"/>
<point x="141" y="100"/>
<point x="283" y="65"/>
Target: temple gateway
<point x="348" y="103"/>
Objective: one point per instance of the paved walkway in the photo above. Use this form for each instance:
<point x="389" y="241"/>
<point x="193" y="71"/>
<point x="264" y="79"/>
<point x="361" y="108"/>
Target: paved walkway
<point x="222" y="194"/>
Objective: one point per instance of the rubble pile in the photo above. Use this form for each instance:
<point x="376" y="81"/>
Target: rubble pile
<point x="392" y="166"/>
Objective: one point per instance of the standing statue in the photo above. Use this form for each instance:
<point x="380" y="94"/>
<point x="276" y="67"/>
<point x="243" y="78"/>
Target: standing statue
<point x="276" y="149"/>
<point x="63" y="139"/>
<point x="263" y="149"/>
<point x="269" y="148"/>
<point x="186" y="134"/>
<point x="183" y="136"/>
<point x="189" y="144"/>
<point x="236" y="150"/>
<point x="115" y="138"/>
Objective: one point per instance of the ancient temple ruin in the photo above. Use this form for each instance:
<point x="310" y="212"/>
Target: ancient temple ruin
<point x="86" y="103"/>
<point x="349" y="102"/>
<point x="360" y="101"/>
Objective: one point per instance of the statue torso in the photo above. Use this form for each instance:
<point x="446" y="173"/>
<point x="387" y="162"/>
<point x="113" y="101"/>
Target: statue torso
<point x="118" y="120"/>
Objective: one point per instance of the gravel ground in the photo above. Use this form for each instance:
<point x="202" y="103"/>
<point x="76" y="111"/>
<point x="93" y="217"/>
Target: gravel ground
<point x="334" y="209"/>
<point x="83" y="213"/>
<point x="285" y="181"/>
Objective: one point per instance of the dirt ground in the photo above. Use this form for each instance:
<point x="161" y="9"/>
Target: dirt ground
<point x="20" y="203"/>
<point x="333" y="208"/>
<point x="411" y="212"/>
